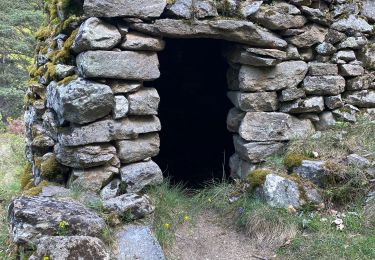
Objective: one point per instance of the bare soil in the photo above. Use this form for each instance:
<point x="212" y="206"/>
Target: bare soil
<point x="208" y="239"/>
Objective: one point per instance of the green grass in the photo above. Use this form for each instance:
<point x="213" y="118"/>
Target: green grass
<point x="11" y="165"/>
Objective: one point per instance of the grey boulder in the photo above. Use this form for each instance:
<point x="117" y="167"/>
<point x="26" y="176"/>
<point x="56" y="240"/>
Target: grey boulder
<point x="141" y="174"/>
<point x="259" y="101"/>
<point x="70" y="247"/>
<point x="283" y="75"/>
<point x="80" y="101"/>
<point x="137" y="242"/>
<point x="145" y="146"/>
<point x="144" y="102"/>
<point x="363" y="98"/>
<point x="312" y="170"/>
<point x="234" y="119"/>
<point x="141" y="42"/>
<point x="121" y="107"/>
<point x="309" y="104"/>
<point x="95" y="34"/>
<point x="352" y="23"/>
<point x="324" y="85"/>
<point x="31" y="218"/>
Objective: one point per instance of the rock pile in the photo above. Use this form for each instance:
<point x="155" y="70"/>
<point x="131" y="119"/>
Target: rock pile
<point x="295" y="66"/>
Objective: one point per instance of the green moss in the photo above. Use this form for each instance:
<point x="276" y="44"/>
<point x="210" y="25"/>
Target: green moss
<point x="292" y="160"/>
<point x="26" y="175"/>
<point x="37" y="189"/>
<point x="52" y="170"/>
<point x="51" y="71"/>
<point x="67" y="80"/>
<point x="257" y="177"/>
<point x="64" y="54"/>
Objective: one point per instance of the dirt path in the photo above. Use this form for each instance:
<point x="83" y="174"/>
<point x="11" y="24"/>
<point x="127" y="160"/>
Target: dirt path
<point x="207" y="239"/>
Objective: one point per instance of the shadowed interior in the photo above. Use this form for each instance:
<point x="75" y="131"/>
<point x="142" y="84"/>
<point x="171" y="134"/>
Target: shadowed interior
<point x="195" y="144"/>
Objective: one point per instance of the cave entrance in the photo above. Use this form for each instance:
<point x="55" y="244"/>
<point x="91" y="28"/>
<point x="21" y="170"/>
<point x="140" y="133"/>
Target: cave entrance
<point x="195" y="143"/>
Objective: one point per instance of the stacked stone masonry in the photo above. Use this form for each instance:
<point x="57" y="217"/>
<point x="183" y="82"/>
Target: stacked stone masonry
<point x="295" y="67"/>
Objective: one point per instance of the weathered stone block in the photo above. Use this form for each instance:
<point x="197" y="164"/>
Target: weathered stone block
<point x="85" y="156"/>
<point x="139" y="175"/>
<point x="259" y="101"/>
<point x="290" y="94"/>
<point x="256" y="152"/>
<point x="134" y="150"/>
<point x="81" y="101"/>
<point x="132" y="126"/>
<point x="95" y="34"/>
<point x="119" y="8"/>
<point x="306" y="105"/>
<point x="121" y="107"/>
<point x="262" y="126"/>
<point x="94" y="179"/>
<point x="127" y="65"/>
<point x="123" y="87"/>
<point x="351" y="70"/>
<point x="234" y="119"/>
<point x="144" y="102"/>
<point x="324" y="85"/>
<point x="240" y="169"/>
<point x="364" y="98"/>
<point x="322" y="69"/>
<point x="31" y="218"/>
<point x="283" y="75"/>
<point x="141" y="42"/>
<point x="312" y="34"/>
<point x="333" y="102"/>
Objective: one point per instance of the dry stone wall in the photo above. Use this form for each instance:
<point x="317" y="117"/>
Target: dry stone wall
<point x="295" y="67"/>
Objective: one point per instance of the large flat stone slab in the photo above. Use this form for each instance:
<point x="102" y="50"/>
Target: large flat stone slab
<point x="231" y="30"/>
<point x="284" y="75"/>
<point x="130" y="8"/>
<point x="31" y="218"/>
<point x="137" y="242"/>
<point x="127" y="65"/>
<point x="134" y="150"/>
<point x="263" y="126"/>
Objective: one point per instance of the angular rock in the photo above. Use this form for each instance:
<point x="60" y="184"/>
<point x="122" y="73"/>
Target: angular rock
<point x="279" y="16"/>
<point x="138" y="242"/>
<point x="357" y="160"/>
<point x="132" y="126"/>
<point x="31" y="218"/>
<point x="280" y="192"/>
<point x="312" y="170"/>
<point x="80" y="101"/>
<point x="325" y="48"/>
<point x="256" y="152"/>
<point x="290" y="94"/>
<point x="127" y="65"/>
<point x="352" y="23"/>
<point x="313" y="34"/>
<point x="144" y="102"/>
<point x="363" y="98"/>
<point x="326" y="121"/>
<point x="368" y="10"/>
<point x="353" y="43"/>
<point x="204" y="8"/>
<point x="292" y="53"/>
<point x="181" y="9"/>
<point x="136" y="205"/>
<point x="334" y="36"/>
<point x="234" y="119"/>
<point x="85" y="156"/>
<point x="121" y="108"/>
<point x="351" y="70"/>
<point x="119" y="8"/>
<point x="249" y="7"/>
<point x="93" y="179"/>
<point x="346" y="113"/>
<point x="360" y="83"/>
<point x="316" y="15"/>
<point x="322" y="69"/>
<point x="367" y="56"/>
<point x="346" y="55"/>
<point x="306" y="105"/>
<point x="259" y="101"/>
<point x="283" y="75"/>
<point x="134" y="150"/>
<point x="333" y="102"/>
<point x="240" y="169"/>
<point x="141" y="42"/>
<point x="95" y="34"/>
<point x="262" y="126"/>
<point x="71" y="247"/>
<point x="123" y="87"/>
<point x="231" y="30"/>
<point x="243" y="56"/>
<point x="54" y="191"/>
<point x="63" y="71"/>
<point x="111" y="190"/>
<point x="324" y="85"/>
<point x="139" y="175"/>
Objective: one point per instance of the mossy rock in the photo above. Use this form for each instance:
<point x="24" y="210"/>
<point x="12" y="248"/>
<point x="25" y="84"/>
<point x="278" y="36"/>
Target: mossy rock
<point x="257" y="177"/>
<point x="36" y="190"/>
<point x="52" y="170"/>
<point x="292" y="159"/>
<point x="26" y="176"/>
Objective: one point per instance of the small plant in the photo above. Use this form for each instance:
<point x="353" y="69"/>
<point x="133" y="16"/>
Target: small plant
<point x="63" y="228"/>
<point x="256" y="178"/>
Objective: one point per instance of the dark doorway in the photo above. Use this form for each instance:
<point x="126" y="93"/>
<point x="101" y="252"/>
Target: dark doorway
<point x="195" y="144"/>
